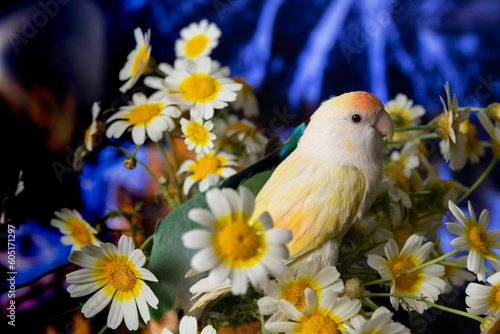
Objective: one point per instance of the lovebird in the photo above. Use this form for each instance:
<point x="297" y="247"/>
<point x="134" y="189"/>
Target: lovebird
<point x="316" y="188"/>
<point x="331" y="178"/>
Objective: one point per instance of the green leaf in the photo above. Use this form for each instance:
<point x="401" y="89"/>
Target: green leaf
<point x="170" y="260"/>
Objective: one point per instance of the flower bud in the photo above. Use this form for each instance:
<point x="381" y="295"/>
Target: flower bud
<point x="354" y="288"/>
<point x="129" y="162"/>
<point x="488" y="323"/>
<point x="493" y="111"/>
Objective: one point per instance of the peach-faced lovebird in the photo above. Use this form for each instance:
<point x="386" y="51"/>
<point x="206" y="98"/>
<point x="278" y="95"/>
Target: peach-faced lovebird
<point x="318" y="191"/>
<point x="332" y="176"/>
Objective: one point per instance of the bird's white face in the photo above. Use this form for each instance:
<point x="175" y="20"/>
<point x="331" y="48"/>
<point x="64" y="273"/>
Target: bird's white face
<point x="349" y="128"/>
<point x="364" y="129"/>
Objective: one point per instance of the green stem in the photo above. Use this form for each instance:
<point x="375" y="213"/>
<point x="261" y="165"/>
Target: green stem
<point x="426" y="264"/>
<point x="368" y="238"/>
<point x="416" y="127"/>
<point x="441" y="307"/>
<point x="171" y="147"/>
<point x="139" y="162"/>
<point x="135" y="152"/>
<point x="377" y="281"/>
<point x="368" y="302"/>
<point x="147" y="242"/>
<point x="172" y="173"/>
<point x="166" y="193"/>
<point x="427" y="136"/>
<point x="103" y="329"/>
<point x="460" y="265"/>
<point x="263" y="324"/>
<point x="160" y="72"/>
<point x="479" y="180"/>
<point x="423" y="265"/>
<point x="474" y="109"/>
<point x="65" y="312"/>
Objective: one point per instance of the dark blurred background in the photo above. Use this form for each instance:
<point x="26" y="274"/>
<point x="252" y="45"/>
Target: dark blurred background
<point x="59" y="56"/>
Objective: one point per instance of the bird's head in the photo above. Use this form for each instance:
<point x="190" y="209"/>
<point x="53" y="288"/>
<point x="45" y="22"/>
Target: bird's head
<point x="352" y="124"/>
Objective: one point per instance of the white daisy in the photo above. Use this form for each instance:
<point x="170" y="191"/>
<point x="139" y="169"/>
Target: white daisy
<point x="403" y="113"/>
<point x="201" y="86"/>
<point x="474" y="148"/>
<point x="93" y="132"/>
<point x="455" y="275"/>
<point x="327" y="316"/>
<point x="452" y="144"/>
<point x="493" y="131"/>
<point x="197" y="40"/>
<point x="20" y="184"/>
<point x="484" y="299"/>
<point x="137" y="60"/>
<point x="236" y="245"/>
<point x="408" y="159"/>
<point x="246" y="132"/>
<point x="246" y="99"/>
<point x="399" y="198"/>
<point x="310" y="275"/>
<point x="241" y="136"/>
<point x="77" y="231"/>
<point x="188" y="325"/>
<point x="116" y="274"/>
<point x="151" y="116"/>
<point x="379" y="323"/>
<point x="425" y="282"/>
<point x="454" y="189"/>
<point x="474" y="239"/>
<point x="159" y="83"/>
<point x="207" y="169"/>
<point x="198" y="135"/>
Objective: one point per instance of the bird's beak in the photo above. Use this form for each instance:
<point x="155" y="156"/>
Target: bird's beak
<point x="384" y="125"/>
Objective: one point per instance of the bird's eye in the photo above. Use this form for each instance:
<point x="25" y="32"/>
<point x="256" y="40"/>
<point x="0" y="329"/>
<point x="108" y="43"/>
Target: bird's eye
<point x="356" y="118"/>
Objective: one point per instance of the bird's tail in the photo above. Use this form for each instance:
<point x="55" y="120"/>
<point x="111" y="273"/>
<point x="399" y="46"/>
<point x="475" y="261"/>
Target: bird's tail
<point x="328" y="251"/>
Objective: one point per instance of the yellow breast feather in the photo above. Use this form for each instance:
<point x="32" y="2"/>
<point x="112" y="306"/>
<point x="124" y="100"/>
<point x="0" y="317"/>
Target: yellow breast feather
<point x="316" y="202"/>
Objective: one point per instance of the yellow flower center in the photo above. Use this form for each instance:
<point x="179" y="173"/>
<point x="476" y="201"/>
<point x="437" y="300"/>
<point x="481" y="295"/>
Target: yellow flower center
<point x="196" y="45"/>
<point x="197" y="133"/>
<point x="495" y="329"/>
<point x="246" y="89"/>
<point x="294" y="293"/>
<point x="470" y="132"/>
<point x="400" y="116"/>
<point x="319" y="324"/>
<point x="144" y="113"/>
<point x="79" y="231"/>
<point x="444" y="126"/>
<point x="199" y="87"/>
<point x="409" y="282"/>
<point x="208" y="164"/>
<point x="450" y="270"/>
<point x="493" y="111"/>
<point x="141" y="55"/>
<point x="494" y="299"/>
<point x="479" y="239"/>
<point x="241" y="127"/>
<point x="401" y="235"/>
<point x="120" y="274"/>
<point x="238" y="244"/>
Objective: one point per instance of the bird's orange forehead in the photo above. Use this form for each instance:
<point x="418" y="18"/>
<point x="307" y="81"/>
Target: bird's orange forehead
<point x="364" y="101"/>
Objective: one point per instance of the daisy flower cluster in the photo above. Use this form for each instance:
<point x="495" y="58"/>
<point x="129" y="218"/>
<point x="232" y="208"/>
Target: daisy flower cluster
<point x="217" y="262"/>
<point x="193" y="99"/>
